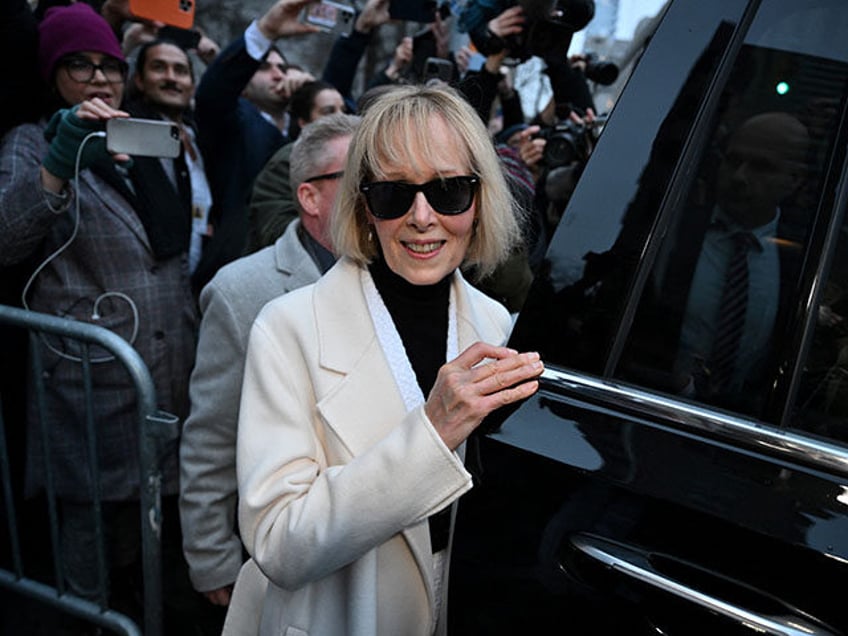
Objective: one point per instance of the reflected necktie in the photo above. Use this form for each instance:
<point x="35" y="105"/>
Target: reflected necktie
<point x="731" y="318"/>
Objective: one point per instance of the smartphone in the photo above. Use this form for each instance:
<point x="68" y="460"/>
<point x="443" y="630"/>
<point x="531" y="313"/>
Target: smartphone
<point x="423" y="11"/>
<point x="143" y="137"/>
<point x="330" y="16"/>
<point x="178" y="13"/>
<point x="186" y="39"/>
<point x="423" y="48"/>
<point x="437" y="68"/>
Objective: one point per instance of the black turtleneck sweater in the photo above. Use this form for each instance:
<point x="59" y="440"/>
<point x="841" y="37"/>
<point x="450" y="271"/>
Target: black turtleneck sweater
<point x="420" y="315"/>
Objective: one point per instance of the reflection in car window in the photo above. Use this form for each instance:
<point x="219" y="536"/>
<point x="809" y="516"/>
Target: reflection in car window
<point x="715" y="317"/>
<point x="573" y="312"/>
<point x="822" y="404"/>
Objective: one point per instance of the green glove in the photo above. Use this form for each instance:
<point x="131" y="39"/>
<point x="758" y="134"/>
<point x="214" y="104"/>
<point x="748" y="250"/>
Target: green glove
<point x="65" y="132"/>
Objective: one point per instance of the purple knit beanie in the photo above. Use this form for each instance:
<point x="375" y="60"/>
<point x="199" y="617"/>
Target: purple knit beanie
<point x="72" y="29"/>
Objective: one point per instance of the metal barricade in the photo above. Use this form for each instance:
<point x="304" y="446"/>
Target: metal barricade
<point x="154" y="425"/>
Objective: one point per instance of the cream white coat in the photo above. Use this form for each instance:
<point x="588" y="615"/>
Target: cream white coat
<point x="336" y="479"/>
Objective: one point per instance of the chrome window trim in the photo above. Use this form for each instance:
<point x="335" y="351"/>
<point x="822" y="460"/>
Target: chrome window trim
<point x="746" y="432"/>
<point x="790" y="624"/>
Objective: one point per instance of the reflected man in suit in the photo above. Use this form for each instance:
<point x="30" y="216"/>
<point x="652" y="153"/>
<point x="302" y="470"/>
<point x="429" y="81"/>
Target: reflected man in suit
<point x="736" y="293"/>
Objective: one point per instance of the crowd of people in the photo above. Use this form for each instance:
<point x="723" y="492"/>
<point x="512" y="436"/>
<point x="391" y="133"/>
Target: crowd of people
<point x="320" y="285"/>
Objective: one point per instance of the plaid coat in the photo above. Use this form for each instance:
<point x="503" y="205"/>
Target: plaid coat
<point x="108" y="270"/>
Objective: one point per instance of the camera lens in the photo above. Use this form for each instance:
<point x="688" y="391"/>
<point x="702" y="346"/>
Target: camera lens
<point x="604" y="73"/>
<point x="560" y="150"/>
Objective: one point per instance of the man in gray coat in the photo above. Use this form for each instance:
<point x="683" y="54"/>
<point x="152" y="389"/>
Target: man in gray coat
<point x="229" y="304"/>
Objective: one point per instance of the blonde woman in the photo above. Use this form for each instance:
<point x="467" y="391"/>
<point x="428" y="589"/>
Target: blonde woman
<point x="361" y="390"/>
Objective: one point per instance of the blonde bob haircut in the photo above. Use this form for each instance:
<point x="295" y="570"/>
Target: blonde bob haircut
<point x="395" y="131"/>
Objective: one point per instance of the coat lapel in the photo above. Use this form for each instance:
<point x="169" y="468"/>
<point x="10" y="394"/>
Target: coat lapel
<point x="360" y="420"/>
<point x="348" y="346"/>
<point x="292" y="259"/>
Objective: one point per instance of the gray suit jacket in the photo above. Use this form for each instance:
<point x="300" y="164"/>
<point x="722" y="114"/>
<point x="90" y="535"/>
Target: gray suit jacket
<point x="103" y="275"/>
<point x="208" y="487"/>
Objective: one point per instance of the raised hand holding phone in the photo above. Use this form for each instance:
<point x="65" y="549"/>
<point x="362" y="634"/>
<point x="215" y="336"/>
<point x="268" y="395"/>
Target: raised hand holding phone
<point x="331" y="16"/>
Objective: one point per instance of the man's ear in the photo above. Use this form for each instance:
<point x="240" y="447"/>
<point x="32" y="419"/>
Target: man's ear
<point x="792" y="181"/>
<point x="137" y="82"/>
<point x="307" y="197"/>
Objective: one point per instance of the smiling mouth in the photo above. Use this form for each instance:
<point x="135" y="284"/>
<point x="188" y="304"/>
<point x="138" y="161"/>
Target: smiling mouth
<point x="423" y="248"/>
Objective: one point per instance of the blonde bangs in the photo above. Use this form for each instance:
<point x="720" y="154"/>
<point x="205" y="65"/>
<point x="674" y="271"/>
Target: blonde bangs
<point x="404" y="139"/>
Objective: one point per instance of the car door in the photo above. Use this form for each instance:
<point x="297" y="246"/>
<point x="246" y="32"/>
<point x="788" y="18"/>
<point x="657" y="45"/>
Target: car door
<point x="643" y="490"/>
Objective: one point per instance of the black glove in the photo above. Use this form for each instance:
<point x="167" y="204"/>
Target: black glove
<point x="66" y="132"/>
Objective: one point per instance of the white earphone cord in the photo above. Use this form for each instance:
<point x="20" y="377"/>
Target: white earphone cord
<point x="95" y="314"/>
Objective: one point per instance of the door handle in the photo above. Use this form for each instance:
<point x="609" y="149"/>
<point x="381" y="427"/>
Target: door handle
<point x="636" y="564"/>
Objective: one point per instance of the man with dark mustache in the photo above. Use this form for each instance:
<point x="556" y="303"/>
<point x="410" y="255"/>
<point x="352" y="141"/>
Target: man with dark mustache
<point x="163" y="87"/>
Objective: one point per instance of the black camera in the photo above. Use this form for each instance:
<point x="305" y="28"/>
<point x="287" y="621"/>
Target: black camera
<point x="549" y="26"/>
<point x="569" y="142"/>
<point x="600" y="72"/>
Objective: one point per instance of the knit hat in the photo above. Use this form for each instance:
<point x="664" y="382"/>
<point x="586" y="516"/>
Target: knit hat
<point x="504" y="135"/>
<point x="72" y="29"/>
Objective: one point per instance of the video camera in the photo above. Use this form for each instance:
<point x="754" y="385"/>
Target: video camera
<point x="549" y="26"/>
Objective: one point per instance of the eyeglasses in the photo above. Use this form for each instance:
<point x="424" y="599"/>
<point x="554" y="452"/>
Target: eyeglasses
<point x="392" y="199"/>
<point x="83" y="70"/>
<point x="321" y="177"/>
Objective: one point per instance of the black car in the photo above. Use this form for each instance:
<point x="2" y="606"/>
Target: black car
<point x="683" y="468"/>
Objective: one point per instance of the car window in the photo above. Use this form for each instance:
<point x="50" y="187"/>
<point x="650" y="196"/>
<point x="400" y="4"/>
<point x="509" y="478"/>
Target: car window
<point x="578" y="297"/>
<point x="725" y="296"/>
<point x="822" y="401"/>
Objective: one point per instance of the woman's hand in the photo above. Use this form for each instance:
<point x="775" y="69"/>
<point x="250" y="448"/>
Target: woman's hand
<point x="466" y="390"/>
<point x="69" y="129"/>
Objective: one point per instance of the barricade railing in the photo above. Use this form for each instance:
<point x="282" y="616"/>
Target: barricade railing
<point x="154" y="426"/>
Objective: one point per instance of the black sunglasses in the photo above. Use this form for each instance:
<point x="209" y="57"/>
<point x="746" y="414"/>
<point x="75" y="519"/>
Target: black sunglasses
<point x="392" y="199"/>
